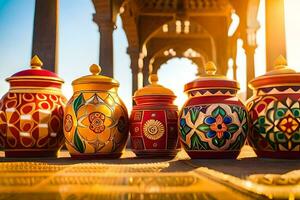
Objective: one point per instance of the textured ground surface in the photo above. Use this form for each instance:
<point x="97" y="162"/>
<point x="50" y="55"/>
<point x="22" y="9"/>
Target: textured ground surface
<point x="134" y="178"/>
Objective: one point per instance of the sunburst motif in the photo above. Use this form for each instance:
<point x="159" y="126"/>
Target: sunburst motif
<point x="153" y="129"/>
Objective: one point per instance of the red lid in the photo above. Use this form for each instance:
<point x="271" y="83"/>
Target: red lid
<point x="35" y="72"/>
<point x="35" y="79"/>
<point x="211" y="80"/>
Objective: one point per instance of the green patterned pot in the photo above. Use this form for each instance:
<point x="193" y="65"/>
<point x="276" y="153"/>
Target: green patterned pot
<point x="275" y="113"/>
<point x="213" y="123"/>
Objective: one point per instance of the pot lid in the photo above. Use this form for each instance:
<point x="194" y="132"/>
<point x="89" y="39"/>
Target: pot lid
<point x="36" y="72"/>
<point x="281" y="75"/>
<point x="211" y="80"/>
<point x="153" y="88"/>
<point x="95" y="77"/>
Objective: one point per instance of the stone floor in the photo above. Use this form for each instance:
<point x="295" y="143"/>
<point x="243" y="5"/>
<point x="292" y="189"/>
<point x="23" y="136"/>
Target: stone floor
<point x="132" y="178"/>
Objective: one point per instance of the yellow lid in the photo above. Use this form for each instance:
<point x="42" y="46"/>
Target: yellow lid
<point x="95" y="77"/>
<point x="36" y="63"/>
<point x="210" y="72"/>
<point x="281" y="75"/>
<point x="280" y="67"/>
<point x="154" y="88"/>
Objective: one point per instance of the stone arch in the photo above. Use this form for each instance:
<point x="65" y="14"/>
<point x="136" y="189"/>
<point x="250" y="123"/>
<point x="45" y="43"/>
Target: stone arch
<point x="174" y="69"/>
<point x="157" y="62"/>
<point x="151" y="30"/>
<point x="196" y="24"/>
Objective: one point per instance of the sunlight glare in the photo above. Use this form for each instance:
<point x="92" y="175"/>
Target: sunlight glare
<point x="234" y="24"/>
<point x="175" y="74"/>
<point x="241" y="69"/>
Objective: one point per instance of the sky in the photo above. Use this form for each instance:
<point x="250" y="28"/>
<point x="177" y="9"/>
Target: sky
<point x="79" y="47"/>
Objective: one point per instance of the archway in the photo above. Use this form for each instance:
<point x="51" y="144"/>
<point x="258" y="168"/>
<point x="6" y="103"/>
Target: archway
<point x="167" y="36"/>
<point x="122" y="71"/>
<point x="170" y="72"/>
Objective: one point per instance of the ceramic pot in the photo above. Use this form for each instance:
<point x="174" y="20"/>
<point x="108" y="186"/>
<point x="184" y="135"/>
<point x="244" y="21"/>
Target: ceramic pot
<point x="213" y="123"/>
<point x="153" y="121"/>
<point x="31" y="113"/>
<point x="96" y="119"/>
<point x="274" y="110"/>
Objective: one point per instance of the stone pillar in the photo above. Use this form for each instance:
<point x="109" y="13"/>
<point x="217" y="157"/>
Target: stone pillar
<point x="250" y="51"/>
<point x="234" y="69"/>
<point x="146" y="71"/>
<point x="106" y="28"/>
<point x="134" y="72"/>
<point x="221" y="46"/>
<point x="275" y="31"/>
<point x="233" y="52"/>
<point x="45" y="33"/>
<point x="134" y="65"/>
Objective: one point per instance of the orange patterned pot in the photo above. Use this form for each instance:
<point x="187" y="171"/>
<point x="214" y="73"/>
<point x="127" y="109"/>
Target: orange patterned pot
<point x="275" y="113"/>
<point x="96" y="119"/>
<point x="153" y="121"/>
<point x="31" y="113"/>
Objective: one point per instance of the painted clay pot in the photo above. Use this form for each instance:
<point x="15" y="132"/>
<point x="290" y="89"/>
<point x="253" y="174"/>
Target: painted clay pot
<point x="153" y="121"/>
<point x="96" y="123"/>
<point x="213" y="123"/>
<point x="274" y="110"/>
<point x="31" y="113"/>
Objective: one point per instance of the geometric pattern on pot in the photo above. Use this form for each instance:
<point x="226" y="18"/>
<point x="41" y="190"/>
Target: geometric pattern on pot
<point x="96" y="122"/>
<point x="31" y="120"/>
<point x="213" y="127"/>
<point x="277" y="122"/>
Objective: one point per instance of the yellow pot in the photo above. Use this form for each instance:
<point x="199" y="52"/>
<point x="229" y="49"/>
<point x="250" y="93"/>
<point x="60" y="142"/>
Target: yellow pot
<point x="96" y="119"/>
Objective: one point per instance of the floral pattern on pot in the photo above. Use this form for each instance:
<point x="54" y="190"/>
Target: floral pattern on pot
<point x="97" y="120"/>
<point x="100" y="123"/>
<point x="276" y="124"/>
<point x="213" y="127"/>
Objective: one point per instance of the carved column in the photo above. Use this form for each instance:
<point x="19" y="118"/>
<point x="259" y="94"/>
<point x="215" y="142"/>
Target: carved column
<point x="275" y="31"/>
<point x="221" y="45"/>
<point x="45" y="33"/>
<point x="134" y="65"/>
<point x="234" y="69"/>
<point x="107" y="49"/>
<point x="232" y="49"/>
<point x="250" y="51"/>
<point x="106" y="28"/>
<point x="146" y="71"/>
<point x="249" y="45"/>
<point x="134" y="72"/>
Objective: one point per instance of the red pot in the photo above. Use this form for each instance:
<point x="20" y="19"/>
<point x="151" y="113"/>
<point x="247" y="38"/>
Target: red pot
<point x="213" y="123"/>
<point x="274" y="110"/>
<point x="31" y="113"/>
<point x="153" y="121"/>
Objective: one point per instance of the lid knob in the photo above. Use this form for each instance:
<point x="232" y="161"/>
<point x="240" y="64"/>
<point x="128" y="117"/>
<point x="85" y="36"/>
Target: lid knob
<point x="153" y="79"/>
<point x="210" y="68"/>
<point x="280" y="62"/>
<point x="36" y="63"/>
<point x="95" y="69"/>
